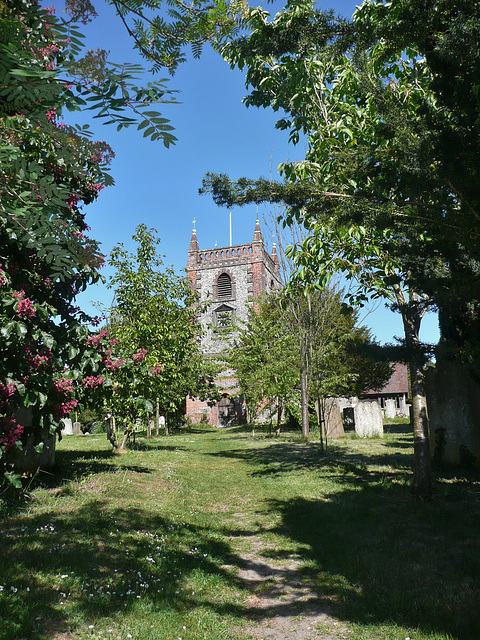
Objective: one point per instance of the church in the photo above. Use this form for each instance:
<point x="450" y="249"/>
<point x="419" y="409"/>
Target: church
<point x="230" y="279"/>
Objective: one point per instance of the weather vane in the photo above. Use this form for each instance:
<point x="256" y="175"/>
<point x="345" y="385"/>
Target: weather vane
<point x="194" y="222"/>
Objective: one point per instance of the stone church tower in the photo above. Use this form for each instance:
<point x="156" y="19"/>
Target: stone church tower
<point x="231" y="279"/>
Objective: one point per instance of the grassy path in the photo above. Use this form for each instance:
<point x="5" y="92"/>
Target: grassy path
<point x="213" y="535"/>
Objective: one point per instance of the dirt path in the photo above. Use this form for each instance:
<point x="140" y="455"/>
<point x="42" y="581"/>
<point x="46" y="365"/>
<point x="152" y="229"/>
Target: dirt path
<point x="283" y="605"/>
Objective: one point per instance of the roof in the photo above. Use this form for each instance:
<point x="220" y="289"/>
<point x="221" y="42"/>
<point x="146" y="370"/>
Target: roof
<point x="398" y="382"/>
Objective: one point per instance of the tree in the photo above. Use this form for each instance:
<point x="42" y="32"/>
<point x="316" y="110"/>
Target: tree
<point x="377" y="116"/>
<point x="47" y="172"/>
<point x="153" y="323"/>
<point x="302" y="347"/>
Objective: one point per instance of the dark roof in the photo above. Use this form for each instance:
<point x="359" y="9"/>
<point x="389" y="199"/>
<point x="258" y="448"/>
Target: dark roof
<point x="398" y="382"/>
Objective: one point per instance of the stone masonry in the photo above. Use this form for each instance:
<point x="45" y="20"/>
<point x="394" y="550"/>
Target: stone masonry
<point x="230" y="279"/>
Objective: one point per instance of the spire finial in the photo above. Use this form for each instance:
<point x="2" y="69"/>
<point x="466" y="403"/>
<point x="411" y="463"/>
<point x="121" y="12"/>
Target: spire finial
<point x="194" y="223"/>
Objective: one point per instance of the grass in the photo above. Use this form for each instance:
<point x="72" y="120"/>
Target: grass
<point x="147" y="545"/>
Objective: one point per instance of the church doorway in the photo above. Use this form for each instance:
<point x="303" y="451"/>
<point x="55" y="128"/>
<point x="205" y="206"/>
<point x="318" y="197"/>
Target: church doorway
<point x="226" y="411"/>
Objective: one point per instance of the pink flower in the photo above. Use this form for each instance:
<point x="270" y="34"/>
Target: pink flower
<point x="64" y="385"/>
<point x="90" y="382"/>
<point x="25" y="308"/>
<point x="157" y="369"/>
<point x="8" y="390"/>
<point x="113" y="365"/>
<point x="140" y="356"/>
<point x="65" y="408"/>
<point x="94" y="341"/>
<point x="10" y="431"/>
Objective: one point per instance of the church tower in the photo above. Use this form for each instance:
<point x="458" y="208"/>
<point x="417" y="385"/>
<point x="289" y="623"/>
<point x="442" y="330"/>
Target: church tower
<point x="230" y="279"/>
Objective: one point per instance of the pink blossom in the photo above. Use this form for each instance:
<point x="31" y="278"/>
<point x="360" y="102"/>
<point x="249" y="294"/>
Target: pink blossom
<point x="25" y="308"/>
<point x="65" y="408"/>
<point x="8" y="390"/>
<point x="94" y="341"/>
<point x="10" y="431"/>
<point x="113" y="365"/>
<point x="157" y="369"/>
<point x="63" y="385"/>
<point x="90" y="382"/>
<point x="140" y="356"/>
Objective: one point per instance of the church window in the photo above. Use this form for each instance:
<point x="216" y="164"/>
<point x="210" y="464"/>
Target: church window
<point x="224" y="286"/>
<point x="223" y="317"/>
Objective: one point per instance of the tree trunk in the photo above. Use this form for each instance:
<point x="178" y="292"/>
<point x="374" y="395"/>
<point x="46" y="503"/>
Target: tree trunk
<point x="126" y="435"/>
<point x="422" y="481"/>
<point x="304" y="392"/>
<point x="411" y="316"/>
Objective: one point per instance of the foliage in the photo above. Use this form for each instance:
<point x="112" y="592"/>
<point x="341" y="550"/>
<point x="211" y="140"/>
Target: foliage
<point x="153" y="324"/>
<point x="47" y="172"/>
<point x="377" y="191"/>
<point x="389" y="105"/>
<point x="267" y="355"/>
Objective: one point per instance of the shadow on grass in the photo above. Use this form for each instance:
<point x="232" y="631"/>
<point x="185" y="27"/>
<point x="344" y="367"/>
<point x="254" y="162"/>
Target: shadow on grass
<point x="346" y="465"/>
<point x="94" y="562"/>
<point x="389" y="559"/>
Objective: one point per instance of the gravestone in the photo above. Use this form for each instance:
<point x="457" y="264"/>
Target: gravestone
<point x="453" y="398"/>
<point x="368" y="419"/>
<point x="333" y="418"/>
<point x="29" y="460"/>
<point x="77" y="430"/>
<point x="67" y="427"/>
<point x="390" y="408"/>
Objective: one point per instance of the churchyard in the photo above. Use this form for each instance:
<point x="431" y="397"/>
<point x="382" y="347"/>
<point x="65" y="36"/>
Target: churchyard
<point x="217" y="534"/>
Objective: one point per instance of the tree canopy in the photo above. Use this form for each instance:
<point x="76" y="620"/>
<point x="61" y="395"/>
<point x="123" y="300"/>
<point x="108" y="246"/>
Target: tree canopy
<point x="153" y="322"/>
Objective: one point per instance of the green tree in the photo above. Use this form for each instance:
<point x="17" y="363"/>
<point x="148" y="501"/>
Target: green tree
<point x="265" y="362"/>
<point x="47" y="172"/>
<point x="372" y="188"/>
<point x="153" y="323"/>
<point x="302" y="347"/>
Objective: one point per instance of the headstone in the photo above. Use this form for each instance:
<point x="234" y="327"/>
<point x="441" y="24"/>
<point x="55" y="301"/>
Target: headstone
<point x="333" y="418"/>
<point x="453" y="398"/>
<point x="368" y="419"/>
<point x="404" y="409"/>
<point x="77" y="428"/>
<point x="28" y="460"/>
<point x="67" y="427"/>
<point x="390" y="408"/>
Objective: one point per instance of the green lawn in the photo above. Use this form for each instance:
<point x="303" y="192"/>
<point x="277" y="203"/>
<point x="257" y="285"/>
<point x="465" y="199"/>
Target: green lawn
<point x="146" y="545"/>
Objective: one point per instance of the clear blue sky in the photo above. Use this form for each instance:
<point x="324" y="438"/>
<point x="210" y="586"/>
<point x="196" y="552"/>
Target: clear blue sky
<point x="217" y="133"/>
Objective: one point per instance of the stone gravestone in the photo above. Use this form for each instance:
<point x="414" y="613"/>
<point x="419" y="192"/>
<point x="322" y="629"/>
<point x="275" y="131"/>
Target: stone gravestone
<point x="368" y="419"/>
<point x="333" y="418"/>
<point x="162" y="424"/>
<point x="453" y="398"/>
<point x="77" y="429"/>
<point x="390" y="408"/>
<point x="67" y="427"/>
<point x="28" y="460"/>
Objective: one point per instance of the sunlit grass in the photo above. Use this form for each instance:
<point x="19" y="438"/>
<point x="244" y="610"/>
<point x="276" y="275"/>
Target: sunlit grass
<point x="147" y="545"/>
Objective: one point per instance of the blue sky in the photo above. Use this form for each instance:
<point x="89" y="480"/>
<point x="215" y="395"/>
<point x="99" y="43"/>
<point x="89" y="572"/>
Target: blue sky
<point x="216" y="133"/>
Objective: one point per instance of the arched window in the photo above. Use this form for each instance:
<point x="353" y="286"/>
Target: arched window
<point x="224" y="286"/>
